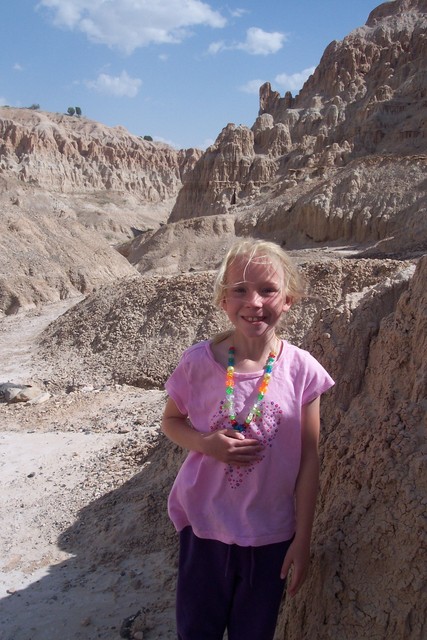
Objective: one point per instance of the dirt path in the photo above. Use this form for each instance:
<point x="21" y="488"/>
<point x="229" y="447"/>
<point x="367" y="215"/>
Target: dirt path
<point x="17" y="338"/>
<point x="60" y="461"/>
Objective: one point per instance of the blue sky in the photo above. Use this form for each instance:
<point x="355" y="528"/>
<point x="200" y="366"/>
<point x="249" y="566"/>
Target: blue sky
<point x="178" y="70"/>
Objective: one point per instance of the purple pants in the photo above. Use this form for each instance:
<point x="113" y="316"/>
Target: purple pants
<point x="223" y="586"/>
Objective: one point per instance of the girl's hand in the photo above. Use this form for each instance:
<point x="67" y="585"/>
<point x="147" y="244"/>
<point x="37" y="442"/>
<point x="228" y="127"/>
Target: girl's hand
<point x="225" y="445"/>
<point x="297" y="560"/>
<point x="231" y="447"/>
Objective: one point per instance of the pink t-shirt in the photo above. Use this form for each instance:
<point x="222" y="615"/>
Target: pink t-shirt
<point x="248" y="506"/>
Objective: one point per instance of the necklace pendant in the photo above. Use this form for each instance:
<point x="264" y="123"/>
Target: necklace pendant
<point x="239" y="427"/>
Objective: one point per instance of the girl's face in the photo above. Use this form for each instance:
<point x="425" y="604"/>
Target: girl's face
<point x="255" y="298"/>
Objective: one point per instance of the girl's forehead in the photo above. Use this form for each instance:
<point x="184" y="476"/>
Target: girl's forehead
<point x="256" y="268"/>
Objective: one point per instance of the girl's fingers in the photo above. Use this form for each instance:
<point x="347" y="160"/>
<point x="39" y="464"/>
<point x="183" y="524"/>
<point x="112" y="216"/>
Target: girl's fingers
<point x="232" y="433"/>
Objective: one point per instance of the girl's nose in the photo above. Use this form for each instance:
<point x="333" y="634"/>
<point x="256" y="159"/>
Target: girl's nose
<point x="253" y="298"/>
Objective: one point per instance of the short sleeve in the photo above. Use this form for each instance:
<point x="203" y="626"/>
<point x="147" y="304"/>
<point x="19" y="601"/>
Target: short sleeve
<point x="177" y="386"/>
<point x="317" y="380"/>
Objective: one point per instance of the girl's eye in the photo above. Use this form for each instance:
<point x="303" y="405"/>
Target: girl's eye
<point x="269" y="291"/>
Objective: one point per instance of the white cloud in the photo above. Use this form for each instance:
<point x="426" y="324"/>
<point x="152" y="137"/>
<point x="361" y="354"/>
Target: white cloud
<point x="257" y="43"/>
<point x="18" y="67"/>
<point x="252" y="86"/>
<point x="3" y="101"/>
<point x="165" y="141"/>
<point x="129" y="24"/>
<point x="238" y="13"/>
<point x="286" y="82"/>
<point x="121" y="86"/>
<point x="294" y="81"/>
<point x="216" y="47"/>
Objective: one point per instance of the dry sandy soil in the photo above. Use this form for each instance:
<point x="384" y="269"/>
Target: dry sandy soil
<point x="59" y="460"/>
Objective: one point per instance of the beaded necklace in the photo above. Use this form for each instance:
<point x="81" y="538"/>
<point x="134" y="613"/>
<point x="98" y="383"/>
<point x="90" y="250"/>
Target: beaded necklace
<point x="262" y="390"/>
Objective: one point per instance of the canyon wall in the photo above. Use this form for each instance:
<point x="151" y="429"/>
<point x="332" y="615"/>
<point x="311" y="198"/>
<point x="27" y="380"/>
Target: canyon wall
<point x="296" y="174"/>
<point x="62" y="153"/>
<point x="71" y="190"/>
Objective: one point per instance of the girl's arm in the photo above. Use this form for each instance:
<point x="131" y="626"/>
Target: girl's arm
<point x="307" y="486"/>
<point x="226" y="445"/>
<point x="176" y="427"/>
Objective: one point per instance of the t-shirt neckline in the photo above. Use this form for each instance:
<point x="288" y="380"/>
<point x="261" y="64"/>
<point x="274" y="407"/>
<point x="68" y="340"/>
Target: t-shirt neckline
<point x="239" y="374"/>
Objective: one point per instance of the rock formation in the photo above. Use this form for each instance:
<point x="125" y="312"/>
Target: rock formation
<point x="115" y="333"/>
<point x="70" y="190"/>
<point x="67" y="154"/>
<point x="190" y="245"/>
<point x="297" y="174"/>
<point x="368" y="575"/>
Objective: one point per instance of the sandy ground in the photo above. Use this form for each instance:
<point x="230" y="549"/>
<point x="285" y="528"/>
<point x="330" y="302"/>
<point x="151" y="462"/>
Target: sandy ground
<point x="58" y="461"/>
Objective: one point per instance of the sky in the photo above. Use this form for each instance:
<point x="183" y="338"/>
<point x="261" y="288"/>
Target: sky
<point x="176" y="70"/>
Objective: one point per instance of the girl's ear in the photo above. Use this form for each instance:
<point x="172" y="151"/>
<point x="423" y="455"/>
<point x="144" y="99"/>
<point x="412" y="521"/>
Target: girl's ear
<point x="287" y="304"/>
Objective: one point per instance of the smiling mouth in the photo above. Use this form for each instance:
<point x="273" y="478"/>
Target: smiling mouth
<point x="254" y="319"/>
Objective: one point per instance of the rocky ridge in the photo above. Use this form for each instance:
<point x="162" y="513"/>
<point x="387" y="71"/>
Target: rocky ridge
<point x="295" y="174"/>
<point x="61" y="153"/>
<point x="70" y="191"/>
<point x="113" y="335"/>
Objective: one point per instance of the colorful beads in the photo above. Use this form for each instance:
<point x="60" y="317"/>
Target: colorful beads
<point x="262" y="390"/>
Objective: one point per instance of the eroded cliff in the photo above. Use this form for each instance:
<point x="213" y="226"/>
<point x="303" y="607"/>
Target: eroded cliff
<point x="357" y="124"/>
<point x="70" y="191"/>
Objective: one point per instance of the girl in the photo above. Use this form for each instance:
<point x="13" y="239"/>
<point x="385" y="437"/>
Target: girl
<point x="246" y="406"/>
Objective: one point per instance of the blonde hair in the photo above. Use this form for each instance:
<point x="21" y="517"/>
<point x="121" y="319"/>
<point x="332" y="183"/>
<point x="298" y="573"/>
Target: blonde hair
<point x="271" y="253"/>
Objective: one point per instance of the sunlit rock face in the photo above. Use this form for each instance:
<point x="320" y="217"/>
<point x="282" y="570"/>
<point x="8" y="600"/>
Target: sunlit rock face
<point x="356" y="133"/>
<point x="72" y="189"/>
